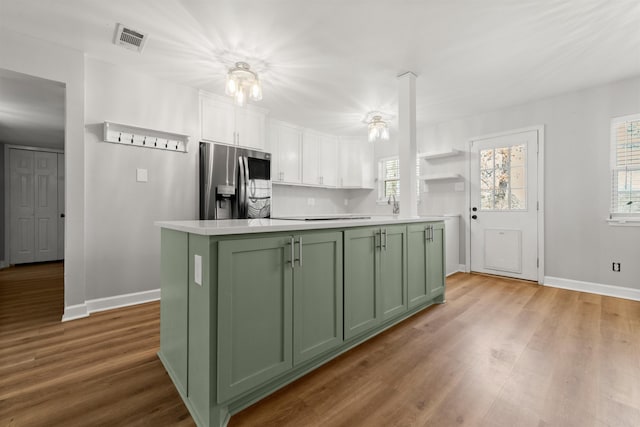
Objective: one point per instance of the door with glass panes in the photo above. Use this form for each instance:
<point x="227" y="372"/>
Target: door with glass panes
<point x="504" y="203"/>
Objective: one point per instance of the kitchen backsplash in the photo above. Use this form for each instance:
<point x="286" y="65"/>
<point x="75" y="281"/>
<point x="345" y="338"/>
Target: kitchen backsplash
<point x="293" y="200"/>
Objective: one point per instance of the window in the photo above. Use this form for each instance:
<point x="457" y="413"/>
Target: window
<point x="625" y="166"/>
<point x="503" y="178"/>
<point x="389" y="178"/>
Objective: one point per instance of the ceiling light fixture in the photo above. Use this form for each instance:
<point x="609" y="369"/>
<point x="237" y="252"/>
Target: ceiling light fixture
<point x="242" y="82"/>
<point x="378" y="129"/>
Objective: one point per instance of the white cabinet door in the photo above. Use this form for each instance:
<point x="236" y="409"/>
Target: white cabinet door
<point x="367" y="164"/>
<point x="250" y="128"/>
<point x="328" y="161"/>
<point x="288" y="141"/>
<point x="310" y="173"/>
<point x="217" y="121"/>
<point x="349" y="172"/>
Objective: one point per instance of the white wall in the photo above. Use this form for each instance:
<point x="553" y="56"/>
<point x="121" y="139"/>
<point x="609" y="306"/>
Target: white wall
<point x="579" y="244"/>
<point x="123" y="246"/>
<point x="39" y="58"/>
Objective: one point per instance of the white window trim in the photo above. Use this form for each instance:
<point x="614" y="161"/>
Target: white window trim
<point x="619" y="219"/>
<point x="380" y="182"/>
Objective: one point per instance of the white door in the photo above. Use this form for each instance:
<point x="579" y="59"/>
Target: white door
<point x="218" y="121"/>
<point x="21" y="189"/>
<point x="504" y="203"/>
<point x="328" y="161"/>
<point x="289" y="158"/>
<point x="250" y="128"/>
<point x="310" y="145"/>
<point x="61" y="205"/>
<point x="46" y="206"/>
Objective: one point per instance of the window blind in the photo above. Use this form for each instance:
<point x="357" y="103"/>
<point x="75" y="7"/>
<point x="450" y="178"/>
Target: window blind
<point x="390" y="178"/>
<point x="625" y="194"/>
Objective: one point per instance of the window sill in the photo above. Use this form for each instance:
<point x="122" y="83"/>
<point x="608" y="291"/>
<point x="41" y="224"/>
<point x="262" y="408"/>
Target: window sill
<point x="624" y="222"/>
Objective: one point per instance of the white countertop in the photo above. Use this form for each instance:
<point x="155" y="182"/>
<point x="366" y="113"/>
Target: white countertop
<point x="266" y="225"/>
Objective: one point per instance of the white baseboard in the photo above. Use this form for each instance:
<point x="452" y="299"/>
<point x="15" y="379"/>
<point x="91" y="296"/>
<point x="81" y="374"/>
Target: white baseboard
<point x="3" y="264"/>
<point x="461" y="268"/>
<point x="593" y="288"/>
<point x="109" y="303"/>
<point x="73" y="312"/>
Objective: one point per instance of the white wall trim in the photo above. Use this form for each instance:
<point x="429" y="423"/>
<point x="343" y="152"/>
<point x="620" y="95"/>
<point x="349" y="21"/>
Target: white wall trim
<point x="109" y="303"/>
<point x="593" y="288"/>
<point x="73" y="312"/>
<point x="461" y="269"/>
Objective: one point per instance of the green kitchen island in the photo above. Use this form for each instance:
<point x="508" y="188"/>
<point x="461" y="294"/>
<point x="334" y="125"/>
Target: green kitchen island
<point x="248" y="306"/>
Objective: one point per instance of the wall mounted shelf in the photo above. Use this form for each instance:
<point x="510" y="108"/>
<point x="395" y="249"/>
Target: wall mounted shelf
<point x="147" y="138"/>
<point x="440" y="155"/>
<point x="446" y="177"/>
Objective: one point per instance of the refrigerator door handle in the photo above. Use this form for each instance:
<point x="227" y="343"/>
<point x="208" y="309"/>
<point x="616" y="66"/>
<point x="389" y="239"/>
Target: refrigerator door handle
<point x="241" y="187"/>
<point x="247" y="181"/>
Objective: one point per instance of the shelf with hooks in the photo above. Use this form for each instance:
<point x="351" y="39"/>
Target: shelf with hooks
<point x="440" y="155"/>
<point x="147" y="138"/>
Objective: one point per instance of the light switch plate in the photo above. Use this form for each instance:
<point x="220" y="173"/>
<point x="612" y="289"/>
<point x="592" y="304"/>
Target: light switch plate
<point x="142" y="175"/>
<point x="197" y="267"/>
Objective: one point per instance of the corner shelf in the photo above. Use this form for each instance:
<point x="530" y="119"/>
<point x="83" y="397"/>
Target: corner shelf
<point x="440" y="155"/>
<point x="446" y="177"/>
<point x="147" y="138"/>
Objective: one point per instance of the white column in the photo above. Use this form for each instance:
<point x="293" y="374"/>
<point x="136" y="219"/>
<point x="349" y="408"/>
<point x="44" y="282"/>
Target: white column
<point x="407" y="144"/>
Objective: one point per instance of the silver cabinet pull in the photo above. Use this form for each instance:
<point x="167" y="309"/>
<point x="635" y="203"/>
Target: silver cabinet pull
<point x="384" y="245"/>
<point x="426" y="233"/>
<point x="292" y="262"/>
<point x="300" y="251"/>
<point x="375" y="241"/>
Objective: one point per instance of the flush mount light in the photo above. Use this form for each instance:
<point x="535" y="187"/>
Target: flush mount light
<point x="377" y="124"/>
<point x="242" y="82"/>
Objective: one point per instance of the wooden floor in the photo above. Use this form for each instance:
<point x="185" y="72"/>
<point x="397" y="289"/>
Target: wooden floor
<point x="498" y="353"/>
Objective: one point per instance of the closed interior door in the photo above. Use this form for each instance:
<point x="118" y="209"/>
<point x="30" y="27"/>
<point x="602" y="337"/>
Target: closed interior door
<point x="504" y="202"/>
<point x="22" y="206"/>
<point x="46" y="206"/>
<point x="61" y="214"/>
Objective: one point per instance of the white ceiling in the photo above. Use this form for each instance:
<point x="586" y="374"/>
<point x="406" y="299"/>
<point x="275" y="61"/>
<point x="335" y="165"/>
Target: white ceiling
<point x="31" y="111"/>
<point x="324" y="64"/>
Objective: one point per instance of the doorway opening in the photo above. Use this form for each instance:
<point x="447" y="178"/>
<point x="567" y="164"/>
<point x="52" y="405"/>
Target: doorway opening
<point x="505" y="226"/>
<point x="32" y="141"/>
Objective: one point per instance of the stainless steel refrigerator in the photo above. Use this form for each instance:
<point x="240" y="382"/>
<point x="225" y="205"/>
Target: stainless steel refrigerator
<point x="234" y="182"/>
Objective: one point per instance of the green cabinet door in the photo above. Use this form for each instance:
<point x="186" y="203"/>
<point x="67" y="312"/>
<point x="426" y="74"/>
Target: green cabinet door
<point x="418" y="289"/>
<point x="254" y="312"/>
<point x="362" y="305"/>
<point x="393" y="278"/>
<point x="317" y="294"/>
<point x="435" y="260"/>
<point x="174" y="304"/>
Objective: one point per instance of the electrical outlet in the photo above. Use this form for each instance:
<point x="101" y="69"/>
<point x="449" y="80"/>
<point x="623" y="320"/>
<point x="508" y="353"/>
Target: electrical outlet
<point x="616" y="267"/>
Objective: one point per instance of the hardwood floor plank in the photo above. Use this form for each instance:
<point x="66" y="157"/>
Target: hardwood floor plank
<point x="500" y="352"/>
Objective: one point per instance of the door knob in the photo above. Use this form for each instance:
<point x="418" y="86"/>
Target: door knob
<point x="474" y="209"/>
<point x="61" y="215"/>
<point x="474" y="216"/>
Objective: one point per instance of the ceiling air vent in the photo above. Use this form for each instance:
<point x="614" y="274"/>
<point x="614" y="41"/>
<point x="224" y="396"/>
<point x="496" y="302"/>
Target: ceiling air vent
<point x="130" y="39"/>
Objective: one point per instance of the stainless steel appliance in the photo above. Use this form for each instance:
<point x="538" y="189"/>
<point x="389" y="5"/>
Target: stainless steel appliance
<point x="234" y="182"/>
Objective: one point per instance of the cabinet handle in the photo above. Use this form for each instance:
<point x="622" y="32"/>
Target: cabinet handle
<point x="378" y="234"/>
<point x="384" y="245"/>
<point x="300" y="251"/>
<point x="292" y="262"/>
<point x="426" y="233"/>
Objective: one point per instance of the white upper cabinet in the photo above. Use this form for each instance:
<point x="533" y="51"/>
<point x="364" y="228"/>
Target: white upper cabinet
<point x="356" y="163"/>
<point x="319" y="159"/>
<point x="328" y="161"/>
<point x="285" y="143"/>
<point x="223" y="122"/>
<point x="310" y="149"/>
